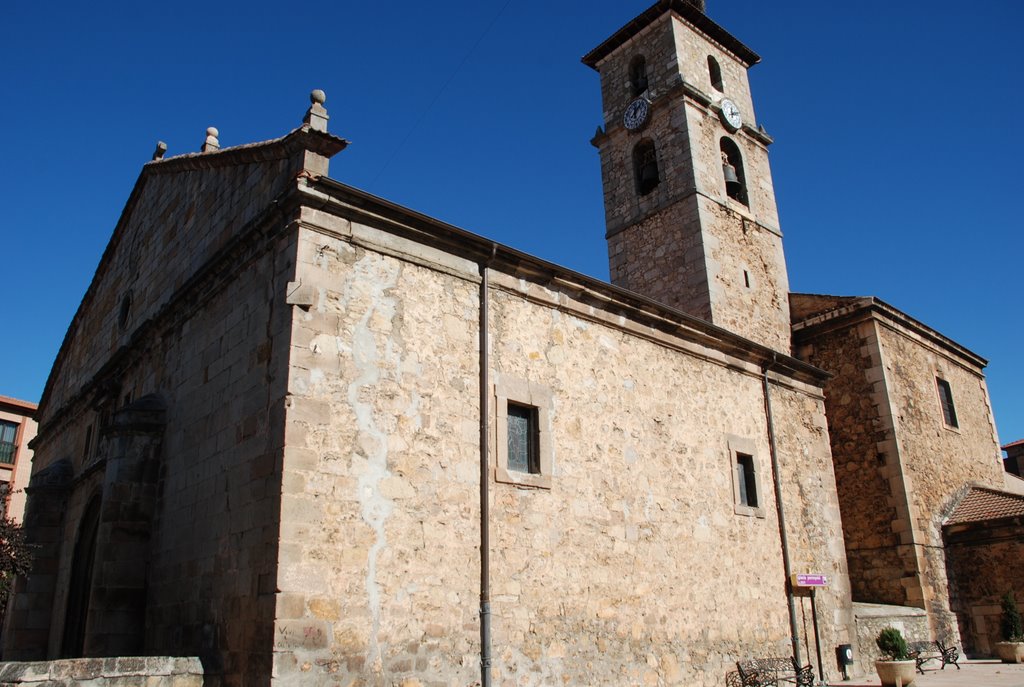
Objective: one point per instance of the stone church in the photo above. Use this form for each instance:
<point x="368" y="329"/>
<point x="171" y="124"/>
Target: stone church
<point x="315" y="438"/>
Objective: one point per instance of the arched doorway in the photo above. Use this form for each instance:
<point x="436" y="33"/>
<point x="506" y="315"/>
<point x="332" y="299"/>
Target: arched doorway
<point x="73" y="644"/>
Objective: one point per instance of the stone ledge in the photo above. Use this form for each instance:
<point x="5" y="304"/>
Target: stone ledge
<point x="869" y="610"/>
<point x="155" y="671"/>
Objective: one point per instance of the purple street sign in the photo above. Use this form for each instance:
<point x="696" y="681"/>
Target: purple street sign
<point x="810" y="580"/>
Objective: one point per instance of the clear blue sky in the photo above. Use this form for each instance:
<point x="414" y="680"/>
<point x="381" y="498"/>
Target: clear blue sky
<point x="896" y="161"/>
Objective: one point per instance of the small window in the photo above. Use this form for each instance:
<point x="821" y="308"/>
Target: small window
<point x="946" y="401"/>
<point x="8" y="442"/>
<point x="732" y="171"/>
<point x="522" y="448"/>
<point x="523" y="439"/>
<point x="715" y="72"/>
<point x="638" y="75"/>
<point x="87" y="448"/>
<point x="746" y="477"/>
<point x="745" y="480"/>
<point x="645" y="167"/>
<point x="125" y="313"/>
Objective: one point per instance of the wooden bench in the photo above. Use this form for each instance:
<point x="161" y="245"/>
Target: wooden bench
<point x="922" y="652"/>
<point x="769" y="672"/>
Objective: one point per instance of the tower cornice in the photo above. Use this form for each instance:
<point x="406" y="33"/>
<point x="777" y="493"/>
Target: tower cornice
<point x="687" y="11"/>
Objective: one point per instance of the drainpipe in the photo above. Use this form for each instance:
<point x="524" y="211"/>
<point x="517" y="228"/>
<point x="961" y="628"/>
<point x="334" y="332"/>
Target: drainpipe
<point x="485" y="529"/>
<point x="794" y="631"/>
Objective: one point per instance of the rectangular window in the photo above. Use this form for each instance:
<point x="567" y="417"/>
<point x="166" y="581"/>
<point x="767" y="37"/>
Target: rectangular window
<point x="522" y="447"/>
<point x="745" y="480"/>
<point x="8" y="442"/>
<point x="746" y="476"/>
<point x="87" y="449"/>
<point x="946" y="401"/>
<point x="523" y="439"/>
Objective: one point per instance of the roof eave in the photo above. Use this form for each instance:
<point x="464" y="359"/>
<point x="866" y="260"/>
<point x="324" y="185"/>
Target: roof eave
<point x="484" y="250"/>
<point x="685" y="10"/>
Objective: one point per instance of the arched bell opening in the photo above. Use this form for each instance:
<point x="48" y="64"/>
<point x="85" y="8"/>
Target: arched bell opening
<point x="732" y="171"/>
<point x="638" y="75"/>
<point x="645" y="167"/>
<point x="715" y="72"/>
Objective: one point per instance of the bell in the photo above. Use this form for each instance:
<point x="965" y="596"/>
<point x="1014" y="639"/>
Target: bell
<point x="732" y="182"/>
<point x="730" y="174"/>
<point x="649" y="176"/>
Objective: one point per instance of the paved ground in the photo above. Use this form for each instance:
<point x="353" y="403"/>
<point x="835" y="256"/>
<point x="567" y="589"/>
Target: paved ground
<point x="974" y="674"/>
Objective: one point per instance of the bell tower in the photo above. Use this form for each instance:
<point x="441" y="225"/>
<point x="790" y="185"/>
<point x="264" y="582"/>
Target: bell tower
<point x="689" y="204"/>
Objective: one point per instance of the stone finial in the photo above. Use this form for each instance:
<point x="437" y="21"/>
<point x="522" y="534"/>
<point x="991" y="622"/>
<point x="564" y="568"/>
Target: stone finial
<point x="161" y="148"/>
<point x="211" y="143"/>
<point x="316" y="116"/>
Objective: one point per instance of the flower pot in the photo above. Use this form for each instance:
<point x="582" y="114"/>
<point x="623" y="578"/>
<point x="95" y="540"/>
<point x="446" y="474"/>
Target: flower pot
<point x="895" y="673"/>
<point x="1010" y="652"/>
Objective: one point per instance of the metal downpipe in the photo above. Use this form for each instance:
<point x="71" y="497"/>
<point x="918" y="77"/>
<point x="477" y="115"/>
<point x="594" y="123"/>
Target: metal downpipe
<point x="794" y="628"/>
<point x="485" y="529"/>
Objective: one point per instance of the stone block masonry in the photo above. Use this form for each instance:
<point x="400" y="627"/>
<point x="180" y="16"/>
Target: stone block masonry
<point x="633" y="567"/>
<point x="147" y="671"/>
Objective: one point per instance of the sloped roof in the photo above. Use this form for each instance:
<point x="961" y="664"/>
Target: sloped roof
<point x="1019" y="442"/>
<point x="982" y="504"/>
<point x="811" y="314"/>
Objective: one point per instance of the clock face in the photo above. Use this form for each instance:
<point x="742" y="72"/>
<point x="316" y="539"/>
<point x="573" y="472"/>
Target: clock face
<point x="731" y="114"/>
<point x="636" y="114"/>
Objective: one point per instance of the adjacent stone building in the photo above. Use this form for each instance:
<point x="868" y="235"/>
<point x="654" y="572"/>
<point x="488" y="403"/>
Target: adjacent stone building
<point x="1014" y="461"/>
<point x="984" y="540"/>
<point x="316" y="438"/>
<point x="912" y="431"/>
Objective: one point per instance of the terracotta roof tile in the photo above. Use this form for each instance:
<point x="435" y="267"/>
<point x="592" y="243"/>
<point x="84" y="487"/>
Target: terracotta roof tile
<point x="1019" y="442"/>
<point x="986" y="504"/>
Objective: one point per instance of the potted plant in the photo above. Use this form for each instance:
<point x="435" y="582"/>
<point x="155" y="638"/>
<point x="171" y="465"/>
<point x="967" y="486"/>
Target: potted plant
<point x="1011" y="650"/>
<point x="895" y="668"/>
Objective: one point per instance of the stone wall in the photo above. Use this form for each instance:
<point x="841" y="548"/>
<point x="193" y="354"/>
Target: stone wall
<point x="873" y="618"/>
<point x="152" y="671"/>
<point x="748" y="281"/>
<point x="857" y="411"/>
<point x="691" y="51"/>
<point x="983" y="562"/>
<point x="937" y="461"/>
<point x="813" y="520"/>
<point x="666" y="242"/>
<point x="206" y="257"/>
<point x="633" y="567"/>
<point x="900" y="467"/>
<point x="173" y="223"/>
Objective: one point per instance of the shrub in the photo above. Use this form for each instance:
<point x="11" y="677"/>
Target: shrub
<point x="1011" y="623"/>
<point x="15" y="557"/>
<point x="892" y="645"/>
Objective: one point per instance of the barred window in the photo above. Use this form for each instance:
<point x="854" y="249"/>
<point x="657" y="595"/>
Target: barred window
<point x="8" y="442"/>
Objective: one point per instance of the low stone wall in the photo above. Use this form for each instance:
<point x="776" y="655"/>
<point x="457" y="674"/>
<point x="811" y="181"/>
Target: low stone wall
<point x="123" y="671"/>
<point x="872" y="618"/>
